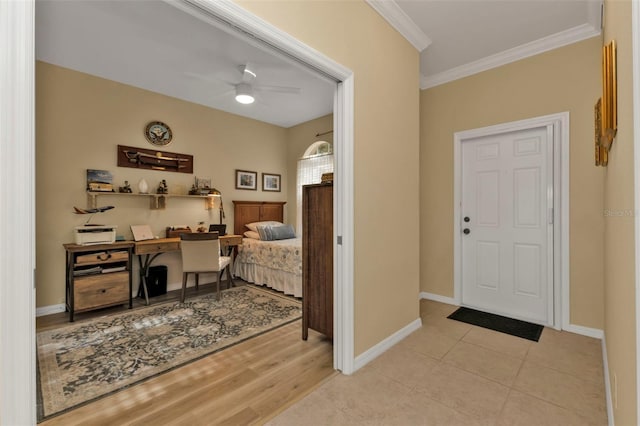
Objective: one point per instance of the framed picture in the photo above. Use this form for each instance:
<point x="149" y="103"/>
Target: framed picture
<point x="99" y="180"/>
<point x="270" y="182"/>
<point x="609" y="107"/>
<point x="246" y="180"/>
<point x="203" y="183"/>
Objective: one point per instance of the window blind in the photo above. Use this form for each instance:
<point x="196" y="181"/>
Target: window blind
<point x="310" y="170"/>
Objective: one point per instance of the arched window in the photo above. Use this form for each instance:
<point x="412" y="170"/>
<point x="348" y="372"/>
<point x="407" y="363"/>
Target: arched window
<point x="317" y="160"/>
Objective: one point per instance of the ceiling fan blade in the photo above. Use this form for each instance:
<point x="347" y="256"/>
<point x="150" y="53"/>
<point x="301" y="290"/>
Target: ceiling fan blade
<point x="197" y="76"/>
<point x="279" y="89"/>
<point x="208" y="78"/>
<point x="261" y="100"/>
<point x="220" y="94"/>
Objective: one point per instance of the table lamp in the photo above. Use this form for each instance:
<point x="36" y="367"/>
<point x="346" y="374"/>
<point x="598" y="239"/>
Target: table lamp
<point x="215" y="193"/>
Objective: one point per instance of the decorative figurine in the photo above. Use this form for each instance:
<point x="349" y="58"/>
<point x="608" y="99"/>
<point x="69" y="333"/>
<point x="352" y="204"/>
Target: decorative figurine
<point x="194" y="190"/>
<point x="162" y="187"/>
<point x="201" y="227"/>
<point x="126" y="188"/>
<point x="143" y="187"/>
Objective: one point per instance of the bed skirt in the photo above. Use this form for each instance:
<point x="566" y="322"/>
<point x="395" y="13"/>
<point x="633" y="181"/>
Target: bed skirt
<point x="283" y="281"/>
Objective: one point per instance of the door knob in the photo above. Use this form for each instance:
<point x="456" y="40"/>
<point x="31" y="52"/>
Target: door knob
<point x="466" y="219"/>
<point x="466" y="231"/>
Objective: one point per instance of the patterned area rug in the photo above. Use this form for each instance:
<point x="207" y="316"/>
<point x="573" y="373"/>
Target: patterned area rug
<point x="82" y="362"/>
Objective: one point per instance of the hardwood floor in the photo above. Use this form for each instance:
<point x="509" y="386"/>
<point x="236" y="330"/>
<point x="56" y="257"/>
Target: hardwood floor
<point x="248" y="383"/>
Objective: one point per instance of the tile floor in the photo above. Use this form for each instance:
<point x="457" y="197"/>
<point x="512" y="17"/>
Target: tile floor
<point x="452" y="373"/>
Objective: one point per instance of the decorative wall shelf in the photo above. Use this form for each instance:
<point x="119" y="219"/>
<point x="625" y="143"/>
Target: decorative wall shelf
<point x="151" y="159"/>
<point x="156" y="201"/>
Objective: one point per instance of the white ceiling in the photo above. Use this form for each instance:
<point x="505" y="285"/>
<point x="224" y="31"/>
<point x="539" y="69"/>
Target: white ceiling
<point x="154" y="46"/>
<point x="462" y="37"/>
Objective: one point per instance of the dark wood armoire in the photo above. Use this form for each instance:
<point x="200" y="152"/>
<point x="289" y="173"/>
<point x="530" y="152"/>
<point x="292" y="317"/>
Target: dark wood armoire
<point x="317" y="259"/>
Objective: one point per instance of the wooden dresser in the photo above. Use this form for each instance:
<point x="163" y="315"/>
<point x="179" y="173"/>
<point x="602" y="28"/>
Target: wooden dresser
<point x="98" y="276"/>
<point x="317" y="259"/>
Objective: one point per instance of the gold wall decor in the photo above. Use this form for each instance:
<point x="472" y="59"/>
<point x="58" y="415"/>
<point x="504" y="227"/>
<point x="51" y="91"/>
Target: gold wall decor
<point x="609" y="121"/>
<point x="601" y="154"/>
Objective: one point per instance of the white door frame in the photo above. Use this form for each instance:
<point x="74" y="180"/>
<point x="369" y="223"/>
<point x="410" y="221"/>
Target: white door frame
<point x="559" y="125"/>
<point x="17" y="184"/>
<point x="635" y="42"/>
<point x="227" y="15"/>
<point x="17" y="214"/>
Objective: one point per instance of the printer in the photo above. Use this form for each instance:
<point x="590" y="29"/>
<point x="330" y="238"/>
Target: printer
<point x="95" y="234"/>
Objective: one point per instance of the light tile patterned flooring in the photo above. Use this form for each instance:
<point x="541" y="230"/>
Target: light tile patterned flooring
<point x="452" y="373"/>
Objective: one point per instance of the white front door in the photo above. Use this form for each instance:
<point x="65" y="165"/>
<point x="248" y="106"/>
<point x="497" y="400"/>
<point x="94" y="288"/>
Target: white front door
<point x="507" y="229"/>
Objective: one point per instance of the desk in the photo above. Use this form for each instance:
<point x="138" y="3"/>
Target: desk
<point x="150" y="249"/>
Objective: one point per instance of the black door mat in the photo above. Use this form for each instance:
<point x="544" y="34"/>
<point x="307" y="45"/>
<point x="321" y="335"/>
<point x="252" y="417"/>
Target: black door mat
<point x="515" y="327"/>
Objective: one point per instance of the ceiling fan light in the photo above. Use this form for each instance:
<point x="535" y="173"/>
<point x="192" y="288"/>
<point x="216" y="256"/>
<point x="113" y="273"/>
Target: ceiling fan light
<point x="244" y="94"/>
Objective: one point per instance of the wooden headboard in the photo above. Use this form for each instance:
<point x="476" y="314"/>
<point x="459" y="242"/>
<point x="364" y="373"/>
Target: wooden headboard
<point x="255" y="211"/>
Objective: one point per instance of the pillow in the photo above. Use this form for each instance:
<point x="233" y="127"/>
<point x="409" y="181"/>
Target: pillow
<point x="276" y="232"/>
<point x="252" y="234"/>
<point x="283" y="232"/>
<point x="254" y="225"/>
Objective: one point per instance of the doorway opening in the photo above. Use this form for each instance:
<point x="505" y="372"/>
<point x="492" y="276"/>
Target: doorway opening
<point x="231" y="17"/>
<point x="19" y="361"/>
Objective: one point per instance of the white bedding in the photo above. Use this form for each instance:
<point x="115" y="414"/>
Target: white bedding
<point x="275" y="264"/>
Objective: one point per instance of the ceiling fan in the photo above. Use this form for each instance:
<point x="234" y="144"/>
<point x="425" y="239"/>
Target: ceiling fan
<point x="247" y="86"/>
<point x="245" y="89"/>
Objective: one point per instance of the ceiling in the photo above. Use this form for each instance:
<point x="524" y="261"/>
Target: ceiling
<point x="154" y="46"/>
<point x="458" y="38"/>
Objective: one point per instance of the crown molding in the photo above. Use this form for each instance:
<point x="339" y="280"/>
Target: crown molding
<point x="399" y="20"/>
<point x="554" y="41"/>
<point x="595" y="11"/>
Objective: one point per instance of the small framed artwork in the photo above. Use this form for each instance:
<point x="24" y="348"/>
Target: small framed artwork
<point x="270" y="182"/>
<point x="203" y="183"/>
<point x="246" y="180"/>
<point x="99" y="180"/>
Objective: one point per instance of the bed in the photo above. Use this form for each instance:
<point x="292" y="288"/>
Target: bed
<point x="274" y="264"/>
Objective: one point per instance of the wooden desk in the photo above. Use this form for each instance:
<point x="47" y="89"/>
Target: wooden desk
<point x="150" y="249"/>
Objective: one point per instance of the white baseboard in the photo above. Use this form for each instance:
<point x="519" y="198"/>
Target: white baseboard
<point x="51" y="309"/>
<point x="377" y="350"/>
<point x="438" y="298"/>
<point x="596" y="333"/>
<point x="607" y="383"/>
<point x="585" y="331"/>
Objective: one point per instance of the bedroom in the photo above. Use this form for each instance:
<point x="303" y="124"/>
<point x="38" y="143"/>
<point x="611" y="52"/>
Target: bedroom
<point x="84" y="117"/>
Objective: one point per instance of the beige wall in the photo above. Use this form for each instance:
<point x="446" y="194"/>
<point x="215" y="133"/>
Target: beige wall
<point x="81" y="119"/>
<point x="565" y="79"/>
<point x="619" y="253"/>
<point x="386" y="152"/>
<point x="299" y="138"/>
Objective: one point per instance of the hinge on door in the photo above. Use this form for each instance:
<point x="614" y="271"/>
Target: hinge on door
<point x="550" y="218"/>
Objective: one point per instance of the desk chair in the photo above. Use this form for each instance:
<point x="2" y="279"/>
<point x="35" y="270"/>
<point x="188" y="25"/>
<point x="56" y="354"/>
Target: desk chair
<point x="200" y="254"/>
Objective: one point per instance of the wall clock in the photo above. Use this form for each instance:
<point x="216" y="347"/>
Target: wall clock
<point x="158" y="133"/>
